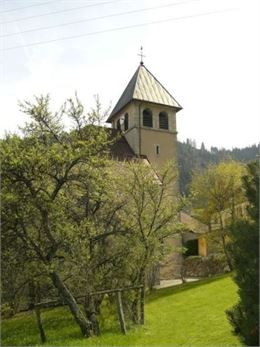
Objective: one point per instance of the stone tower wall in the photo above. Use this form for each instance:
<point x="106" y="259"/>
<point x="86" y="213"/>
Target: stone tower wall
<point x="171" y="267"/>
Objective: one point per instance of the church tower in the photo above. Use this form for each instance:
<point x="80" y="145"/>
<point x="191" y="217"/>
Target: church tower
<point x="146" y="114"/>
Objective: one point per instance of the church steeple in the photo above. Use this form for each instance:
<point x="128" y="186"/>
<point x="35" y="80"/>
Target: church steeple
<point x="146" y="115"/>
<point x="143" y="86"/>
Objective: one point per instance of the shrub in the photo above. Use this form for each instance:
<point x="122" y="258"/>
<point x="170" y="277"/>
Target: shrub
<point x="197" y="266"/>
<point x="6" y="311"/>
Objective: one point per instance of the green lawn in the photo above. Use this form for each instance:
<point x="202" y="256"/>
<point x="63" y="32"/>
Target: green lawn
<point x="188" y="315"/>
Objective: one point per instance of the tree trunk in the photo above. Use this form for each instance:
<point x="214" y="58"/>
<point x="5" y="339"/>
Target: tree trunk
<point x="91" y="314"/>
<point x="224" y="243"/>
<point x="31" y="294"/>
<point x="84" y="324"/>
<point x="39" y="324"/>
<point x="120" y="312"/>
<point x="142" y="290"/>
<point x="34" y="297"/>
<point x="134" y="309"/>
<point x="38" y="313"/>
<point x="136" y="303"/>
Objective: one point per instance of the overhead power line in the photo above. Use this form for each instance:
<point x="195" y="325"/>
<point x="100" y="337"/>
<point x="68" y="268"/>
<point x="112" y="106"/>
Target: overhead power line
<point x="100" y="17"/>
<point x="119" y="28"/>
<point x="60" y="11"/>
<point x="25" y="7"/>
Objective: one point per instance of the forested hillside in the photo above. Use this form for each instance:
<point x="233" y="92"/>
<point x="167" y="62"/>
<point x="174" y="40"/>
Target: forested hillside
<point x="191" y="158"/>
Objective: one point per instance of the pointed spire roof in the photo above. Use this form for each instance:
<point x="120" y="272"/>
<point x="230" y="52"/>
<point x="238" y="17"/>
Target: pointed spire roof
<point x="145" y="87"/>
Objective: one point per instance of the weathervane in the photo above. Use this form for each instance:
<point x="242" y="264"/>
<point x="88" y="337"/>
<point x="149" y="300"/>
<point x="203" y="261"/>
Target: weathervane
<point x="141" y="55"/>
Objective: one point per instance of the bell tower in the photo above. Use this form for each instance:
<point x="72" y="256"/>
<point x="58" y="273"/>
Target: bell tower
<point x="146" y="115"/>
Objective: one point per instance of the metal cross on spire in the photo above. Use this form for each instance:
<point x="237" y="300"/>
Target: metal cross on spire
<point x="141" y="55"/>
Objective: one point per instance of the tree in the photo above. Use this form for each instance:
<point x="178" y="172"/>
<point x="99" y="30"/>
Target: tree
<point x="190" y="159"/>
<point x="142" y="212"/>
<point x="150" y="213"/>
<point x="215" y="193"/>
<point x="202" y="147"/>
<point x="73" y="211"/>
<point x="244" y="250"/>
<point x="38" y="171"/>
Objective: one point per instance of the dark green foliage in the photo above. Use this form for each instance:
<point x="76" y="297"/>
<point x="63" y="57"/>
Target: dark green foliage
<point x="191" y="158"/>
<point x="251" y="183"/>
<point x="244" y="250"/>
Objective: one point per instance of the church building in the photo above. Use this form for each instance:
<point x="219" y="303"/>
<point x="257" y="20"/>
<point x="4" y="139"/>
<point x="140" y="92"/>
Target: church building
<point x="145" y="116"/>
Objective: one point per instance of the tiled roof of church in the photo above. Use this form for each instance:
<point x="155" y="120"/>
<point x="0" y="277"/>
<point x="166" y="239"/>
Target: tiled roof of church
<point x="120" y="149"/>
<point x="145" y="87"/>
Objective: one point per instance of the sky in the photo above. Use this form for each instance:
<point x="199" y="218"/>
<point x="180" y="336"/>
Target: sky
<point x="205" y="52"/>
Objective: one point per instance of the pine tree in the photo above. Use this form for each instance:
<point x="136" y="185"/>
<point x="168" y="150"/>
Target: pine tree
<point x="244" y="250"/>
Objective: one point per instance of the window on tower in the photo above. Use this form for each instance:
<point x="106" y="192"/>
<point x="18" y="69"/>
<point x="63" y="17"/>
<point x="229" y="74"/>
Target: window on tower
<point x="147" y="118"/>
<point x="163" y="120"/>
<point x="126" y="122"/>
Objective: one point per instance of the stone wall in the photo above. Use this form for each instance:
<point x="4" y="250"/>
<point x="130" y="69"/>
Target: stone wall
<point x="196" y="266"/>
<point x="171" y="266"/>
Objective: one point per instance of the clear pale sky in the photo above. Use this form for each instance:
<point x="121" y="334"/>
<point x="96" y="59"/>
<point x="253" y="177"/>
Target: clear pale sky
<point x="205" y="52"/>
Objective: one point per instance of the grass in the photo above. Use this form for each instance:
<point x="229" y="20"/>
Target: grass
<point x="192" y="314"/>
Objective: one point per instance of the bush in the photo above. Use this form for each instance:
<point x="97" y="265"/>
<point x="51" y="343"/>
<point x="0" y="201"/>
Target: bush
<point x="6" y="311"/>
<point x="197" y="266"/>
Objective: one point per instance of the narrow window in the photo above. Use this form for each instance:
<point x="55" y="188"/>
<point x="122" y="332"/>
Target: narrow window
<point x="163" y="120"/>
<point x="118" y="124"/>
<point x="147" y="118"/>
<point x="157" y="149"/>
<point x="126" y="121"/>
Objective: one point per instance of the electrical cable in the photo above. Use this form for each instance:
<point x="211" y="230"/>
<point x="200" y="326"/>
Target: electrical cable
<point x="118" y="29"/>
<point x="100" y="17"/>
<point x="25" y="7"/>
<point x="61" y="11"/>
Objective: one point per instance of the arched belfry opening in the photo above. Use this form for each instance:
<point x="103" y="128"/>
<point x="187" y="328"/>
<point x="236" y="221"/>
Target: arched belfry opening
<point x="147" y="118"/>
<point x="163" y="120"/>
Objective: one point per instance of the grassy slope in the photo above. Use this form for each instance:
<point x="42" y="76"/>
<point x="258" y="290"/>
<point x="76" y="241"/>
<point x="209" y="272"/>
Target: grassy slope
<point x="192" y="314"/>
